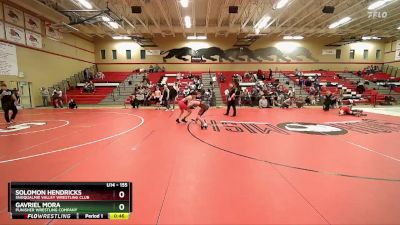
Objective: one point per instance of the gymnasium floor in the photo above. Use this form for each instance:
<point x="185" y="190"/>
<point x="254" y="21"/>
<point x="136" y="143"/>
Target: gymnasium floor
<point x="273" y="166"/>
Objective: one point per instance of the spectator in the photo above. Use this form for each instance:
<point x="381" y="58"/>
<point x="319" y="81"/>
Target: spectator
<point x="140" y="96"/>
<point x="263" y="102"/>
<point x="72" y="104"/>
<point x="100" y="76"/>
<point x="45" y="96"/>
<point x="270" y="74"/>
<point x="86" y="75"/>
<point x="360" y="88"/>
<point x="57" y="98"/>
<point x="134" y="100"/>
<point x="157" y="97"/>
<point x="327" y="101"/>
<point x="173" y="94"/>
<point x="88" y="87"/>
<point x="221" y="78"/>
<point x="165" y="97"/>
<point x="157" y="68"/>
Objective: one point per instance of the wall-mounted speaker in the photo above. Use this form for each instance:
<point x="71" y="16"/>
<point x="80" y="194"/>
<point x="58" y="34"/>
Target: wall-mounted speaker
<point x="136" y="9"/>
<point x="328" y="9"/>
<point x="233" y="9"/>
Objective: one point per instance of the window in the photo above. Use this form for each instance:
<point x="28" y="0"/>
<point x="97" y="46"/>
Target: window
<point x="352" y="52"/>
<point x="365" y="55"/>
<point x="338" y="53"/>
<point x="114" y="54"/>
<point x="103" y="54"/>
<point x="142" y="54"/>
<point x="128" y="54"/>
<point x="378" y="54"/>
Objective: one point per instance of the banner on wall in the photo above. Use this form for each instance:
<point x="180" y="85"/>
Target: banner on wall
<point x="33" y="39"/>
<point x="397" y="53"/>
<point x="2" y="33"/>
<point x="33" y="23"/>
<point x="15" y="34"/>
<point x="8" y="59"/>
<point x="153" y="52"/>
<point x="13" y="15"/>
<point x="52" y="33"/>
<point x="328" y="51"/>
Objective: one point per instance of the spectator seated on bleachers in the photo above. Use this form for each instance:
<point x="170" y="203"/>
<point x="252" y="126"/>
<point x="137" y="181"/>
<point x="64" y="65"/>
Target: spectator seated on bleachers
<point x="88" y="87"/>
<point x="263" y="102"/>
<point x="260" y="75"/>
<point x="221" y="78"/>
<point x="100" y="76"/>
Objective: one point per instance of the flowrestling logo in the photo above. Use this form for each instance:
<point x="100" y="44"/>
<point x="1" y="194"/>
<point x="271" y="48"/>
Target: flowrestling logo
<point x="22" y="126"/>
<point x="365" y="126"/>
<point x="312" y="128"/>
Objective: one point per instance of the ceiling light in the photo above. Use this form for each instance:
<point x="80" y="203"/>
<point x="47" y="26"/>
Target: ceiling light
<point x="263" y="22"/>
<point x="114" y="25"/>
<point x="105" y="18"/>
<point x="281" y="4"/>
<point x="184" y="3"/>
<point x="371" y="38"/>
<point x="378" y="4"/>
<point x="188" y="23"/>
<point x="298" y="37"/>
<point x="85" y="4"/>
<point x="121" y="38"/>
<point x="340" y="22"/>
<point x="257" y="30"/>
<point x="194" y="37"/>
<point x="398" y="28"/>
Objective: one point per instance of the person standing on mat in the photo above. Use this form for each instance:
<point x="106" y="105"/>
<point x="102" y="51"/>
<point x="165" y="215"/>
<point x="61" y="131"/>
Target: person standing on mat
<point x="327" y="101"/>
<point x="204" y="106"/>
<point x="231" y="100"/>
<point x="8" y="100"/>
<point x="183" y="106"/>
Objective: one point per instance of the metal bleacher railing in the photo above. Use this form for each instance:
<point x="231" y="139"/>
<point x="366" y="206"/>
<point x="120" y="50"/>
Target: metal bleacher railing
<point x="392" y="70"/>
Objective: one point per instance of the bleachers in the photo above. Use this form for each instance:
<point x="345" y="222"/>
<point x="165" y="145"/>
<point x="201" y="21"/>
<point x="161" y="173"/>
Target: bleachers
<point x="117" y="77"/>
<point x="102" y="89"/>
<point x="89" y="98"/>
<point x="329" y="81"/>
<point x="229" y="79"/>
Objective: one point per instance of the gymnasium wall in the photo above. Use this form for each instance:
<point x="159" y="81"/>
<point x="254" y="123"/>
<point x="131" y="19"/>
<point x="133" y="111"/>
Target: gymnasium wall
<point x="315" y="46"/>
<point x="56" y="61"/>
<point x="390" y="50"/>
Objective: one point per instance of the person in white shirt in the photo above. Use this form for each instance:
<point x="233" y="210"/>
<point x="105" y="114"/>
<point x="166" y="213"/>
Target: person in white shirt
<point x="263" y="103"/>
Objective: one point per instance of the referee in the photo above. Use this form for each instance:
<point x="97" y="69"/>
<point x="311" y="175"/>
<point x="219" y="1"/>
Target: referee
<point x="231" y="100"/>
<point x="8" y="100"/>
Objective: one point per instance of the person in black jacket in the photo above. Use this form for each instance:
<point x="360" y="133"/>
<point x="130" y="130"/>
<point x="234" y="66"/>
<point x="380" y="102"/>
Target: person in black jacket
<point x="327" y="101"/>
<point x="231" y="99"/>
<point x="173" y="93"/>
<point x="8" y="99"/>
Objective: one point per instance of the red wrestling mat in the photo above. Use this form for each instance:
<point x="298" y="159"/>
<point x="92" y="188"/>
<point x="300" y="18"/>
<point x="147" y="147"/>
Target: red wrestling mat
<point x="274" y="166"/>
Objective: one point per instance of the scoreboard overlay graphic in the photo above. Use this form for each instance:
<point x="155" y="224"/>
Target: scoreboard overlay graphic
<point x="70" y="200"/>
